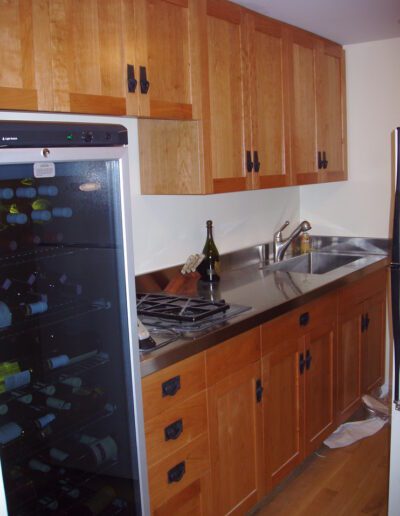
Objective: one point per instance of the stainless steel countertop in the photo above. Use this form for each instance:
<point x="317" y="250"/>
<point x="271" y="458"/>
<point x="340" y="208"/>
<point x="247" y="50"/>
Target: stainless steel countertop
<point x="270" y="294"/>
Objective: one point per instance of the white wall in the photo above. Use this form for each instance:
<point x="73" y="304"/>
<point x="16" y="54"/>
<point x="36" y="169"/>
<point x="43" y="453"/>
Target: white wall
<point x="169" y="228"/>
<point x="361" y="206"/>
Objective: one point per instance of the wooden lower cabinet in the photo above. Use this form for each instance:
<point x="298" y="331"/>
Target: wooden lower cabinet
<point x="372" y="363"/>
<point x="194" y="500"/>
<point x="282" y="411"/>
<point x="298" y="374"/>
<point x="235" y="420"/>
<point x="361" y="343"/>
<point x="235" y="441"/>
<point x="319" y="395"/>
<point x="225" y="426"/>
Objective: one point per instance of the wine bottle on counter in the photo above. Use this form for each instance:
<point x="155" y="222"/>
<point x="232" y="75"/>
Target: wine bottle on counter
<point x="209" y="267"/>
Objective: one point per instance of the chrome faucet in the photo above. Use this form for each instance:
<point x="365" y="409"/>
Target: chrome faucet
<point x="281" y="245"/>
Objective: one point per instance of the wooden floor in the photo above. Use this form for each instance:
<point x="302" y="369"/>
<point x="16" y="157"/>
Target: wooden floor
<point x="349" y="481"/>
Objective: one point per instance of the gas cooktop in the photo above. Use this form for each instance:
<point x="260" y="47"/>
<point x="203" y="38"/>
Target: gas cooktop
<point x="168" y="317"/>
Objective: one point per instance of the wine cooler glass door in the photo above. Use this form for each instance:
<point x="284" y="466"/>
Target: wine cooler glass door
<point x="71" y="424"/>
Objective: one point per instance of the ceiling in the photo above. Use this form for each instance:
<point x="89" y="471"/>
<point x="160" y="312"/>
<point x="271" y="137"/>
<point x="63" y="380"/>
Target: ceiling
<point x="343" y="21"/>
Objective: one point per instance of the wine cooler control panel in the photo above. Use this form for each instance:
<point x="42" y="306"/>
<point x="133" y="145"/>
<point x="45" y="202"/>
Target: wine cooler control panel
<point x="37" y="134"/>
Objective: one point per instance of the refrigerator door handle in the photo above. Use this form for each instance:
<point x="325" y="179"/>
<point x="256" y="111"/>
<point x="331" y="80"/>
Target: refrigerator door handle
<point x="395" y="287"/>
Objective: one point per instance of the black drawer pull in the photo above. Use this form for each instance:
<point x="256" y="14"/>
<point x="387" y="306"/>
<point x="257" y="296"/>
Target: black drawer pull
<point x="302" y="363"/>
<point x="304" y="319"/>
<point x="249" y="163"/>
<point x="176" y="473"/>
<point x="259" y="391"/>
<point x="257" y="163"/>
<point x="174" y="430"/>
<point x="171" y="386"/>
<point x="320" y="160"/>
<point x="132" y="82"/>
<point x="308" y="359"/>
<point x="144" y="83"/>
<point x="324" y="160"/>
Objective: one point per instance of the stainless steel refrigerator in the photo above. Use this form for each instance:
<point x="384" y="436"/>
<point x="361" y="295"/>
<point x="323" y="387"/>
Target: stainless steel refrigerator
<point x="394" y="493"/>
<point x="71" y="424"/>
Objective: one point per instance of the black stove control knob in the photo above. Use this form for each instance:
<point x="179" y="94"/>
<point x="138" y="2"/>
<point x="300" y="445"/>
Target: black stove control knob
<point x="87" y="136"/>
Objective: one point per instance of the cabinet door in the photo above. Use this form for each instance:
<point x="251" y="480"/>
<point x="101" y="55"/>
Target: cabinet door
<point x="268" y="86"/>
<point x="88" y="63"/>
<point x="226" y="45"/>
<point x="193" y="500"/>
<point x="167" y="48"/>
<point x="374" y="342"/>
<point x="25" y="77"/>
<point x="319" y="401"/>
<point x="331" y="139"/>
<point x="235" y="420"/>
<point x="349" y="360"/>
<point x="303" y="64"/>
<point x="282" y="411"/>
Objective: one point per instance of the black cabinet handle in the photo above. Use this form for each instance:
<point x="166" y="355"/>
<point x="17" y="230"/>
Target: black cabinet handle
<point x="324" y="160"/>
<point x="174" y="430"/>
<point x="144" y="83"/>
<point x="249" y="163"/>
<point x="171" y="386"/>
<point x="176" y="473"/>
<point x="304" y="319"/>
<point x="367" y="321"/>
<point x="363" y="328"/>
<point x="132" y="82"/>
<point x="302" y="363"/>
<point x="259" y="391"/>
<point x="320" y="161"/>
<point x="308" y="359"/>
<point x="257" y="163"/>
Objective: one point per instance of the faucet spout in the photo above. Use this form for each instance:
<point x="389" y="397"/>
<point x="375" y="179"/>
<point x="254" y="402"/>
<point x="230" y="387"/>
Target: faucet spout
<point x="280" y="245"/>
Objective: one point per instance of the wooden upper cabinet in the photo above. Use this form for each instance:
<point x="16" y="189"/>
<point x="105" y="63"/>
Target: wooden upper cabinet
<point x="226" y="46"/>
<point x="331" y="122"/>
<point x="167" y="49"/>
<point x="318" y="145"/>
<point x="268" y="89"/>
<point x="87" y="56"/>
<point x="25" y="74"/>
<point x="303" y="109"/>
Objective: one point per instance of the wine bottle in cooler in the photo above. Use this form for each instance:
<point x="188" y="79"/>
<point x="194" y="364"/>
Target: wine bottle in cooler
<point x="35" y="429"/>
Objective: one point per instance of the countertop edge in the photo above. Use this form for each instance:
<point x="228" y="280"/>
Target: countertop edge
<point x="249" y="320"/>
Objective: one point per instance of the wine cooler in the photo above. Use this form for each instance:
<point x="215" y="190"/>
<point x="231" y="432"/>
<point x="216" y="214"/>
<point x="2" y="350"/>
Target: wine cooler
<point x="71" y="424"/>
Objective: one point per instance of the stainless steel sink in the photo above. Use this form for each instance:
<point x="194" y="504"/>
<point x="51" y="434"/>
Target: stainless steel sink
<point x="313" y="263"/>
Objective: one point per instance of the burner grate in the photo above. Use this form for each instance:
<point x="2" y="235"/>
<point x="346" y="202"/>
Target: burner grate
<point x="178" y="308"/>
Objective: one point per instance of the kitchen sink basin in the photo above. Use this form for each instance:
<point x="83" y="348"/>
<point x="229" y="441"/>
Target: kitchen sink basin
<point x="314" y="263"/>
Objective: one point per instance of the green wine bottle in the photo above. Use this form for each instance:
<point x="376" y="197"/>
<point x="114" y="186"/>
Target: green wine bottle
<point x="209" y="269"/>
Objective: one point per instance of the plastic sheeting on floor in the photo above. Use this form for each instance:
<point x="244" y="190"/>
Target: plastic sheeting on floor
<point x="351" y="432"/>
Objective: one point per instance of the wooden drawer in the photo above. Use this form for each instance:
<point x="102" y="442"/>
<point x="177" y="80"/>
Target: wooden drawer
<point x="233" y="354"/>
<point x="363" y="289"/>
<point x="298" y="322"/>
<point x="176" y="472"/>
<point x="176" y="427"/>
<point x="170" y="386"/>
